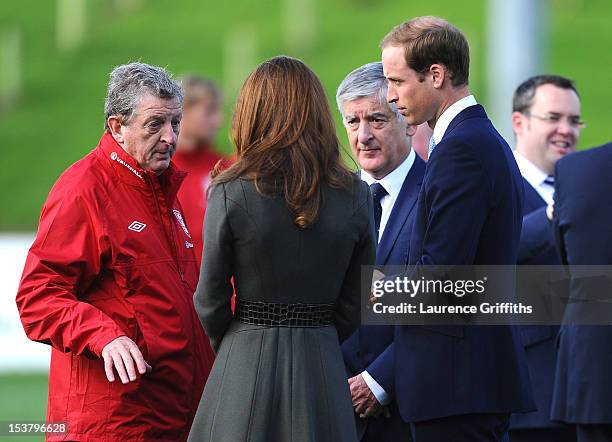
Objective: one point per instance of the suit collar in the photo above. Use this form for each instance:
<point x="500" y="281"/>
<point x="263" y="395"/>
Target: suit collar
<point x="449" y="114"/>
<point x="404" y="204"/>
<point x="476" y="111"/>
<point x="533" y="199"/>
<point x="530" y="171"/>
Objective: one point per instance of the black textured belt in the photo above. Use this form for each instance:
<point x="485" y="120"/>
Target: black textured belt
<point x="284" y="315"/>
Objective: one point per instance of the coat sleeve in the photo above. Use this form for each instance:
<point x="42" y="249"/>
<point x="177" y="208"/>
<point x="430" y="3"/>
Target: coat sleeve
<point x="212" y="298"/>
<point x="382" y="369"/>
<point x="62" y="264"/>
<point x="347" y="310"/>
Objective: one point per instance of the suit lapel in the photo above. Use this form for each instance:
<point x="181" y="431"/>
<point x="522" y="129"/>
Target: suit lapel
<point x="404" y="204"/>
<point x="533" y="200"/>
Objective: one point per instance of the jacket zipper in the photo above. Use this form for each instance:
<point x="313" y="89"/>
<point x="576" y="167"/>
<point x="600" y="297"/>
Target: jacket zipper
<point x="172" y="242"/>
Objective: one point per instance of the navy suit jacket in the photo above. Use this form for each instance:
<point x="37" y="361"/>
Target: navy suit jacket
<point x="469" y="212"/>
<point x="537" y="247"/>
<point x="371" y="347"/>
<point x="583" y="226"/>
<point x="537" y="244"/>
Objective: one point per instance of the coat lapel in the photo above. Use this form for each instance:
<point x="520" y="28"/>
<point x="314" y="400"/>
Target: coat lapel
<point x="404" y="204"/>
<point x="533" y="200"/>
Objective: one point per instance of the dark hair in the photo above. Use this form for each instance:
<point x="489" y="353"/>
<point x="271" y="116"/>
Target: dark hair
<point x="429" y="40"/>
<point x="523" y="96"/>
<point x="285" y="137"/>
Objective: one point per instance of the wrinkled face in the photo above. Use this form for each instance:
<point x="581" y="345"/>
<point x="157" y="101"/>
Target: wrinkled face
<point x="202" y="120"/>
<point x="410" y="91"/>
<point x="150" y="136"/>
<point x="551" y="128"/>
<point x="379" y="141"/>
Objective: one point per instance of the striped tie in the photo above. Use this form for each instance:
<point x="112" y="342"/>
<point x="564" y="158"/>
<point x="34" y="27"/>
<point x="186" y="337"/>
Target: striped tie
<point x="378" y="192"/>
<point x="550" y="181"/>
<point x="432" y="146"/>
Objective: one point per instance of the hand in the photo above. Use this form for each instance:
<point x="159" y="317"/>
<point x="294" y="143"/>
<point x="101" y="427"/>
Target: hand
<point x="122" y="353"/>
<point x="550" y="210"/>
<point x="364" y="401"/>
<point x="374" y="299"/>
<point x="376" y="276"/>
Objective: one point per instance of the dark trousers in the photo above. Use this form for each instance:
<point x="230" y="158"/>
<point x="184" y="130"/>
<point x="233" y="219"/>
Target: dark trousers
<point x="379" y="433"/>
<point x="567" y="434"/>
<point x="383" y="429"/>
<point x="465" y="428"/>
<point x="594" y="433"/>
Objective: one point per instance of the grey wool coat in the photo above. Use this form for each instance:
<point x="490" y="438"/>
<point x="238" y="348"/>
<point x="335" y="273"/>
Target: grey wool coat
<point x="279" y="383"/>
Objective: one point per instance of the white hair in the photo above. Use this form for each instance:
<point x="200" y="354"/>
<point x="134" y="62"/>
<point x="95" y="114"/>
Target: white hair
<point x="129" y="82"/>
<point x="365" y="81"/>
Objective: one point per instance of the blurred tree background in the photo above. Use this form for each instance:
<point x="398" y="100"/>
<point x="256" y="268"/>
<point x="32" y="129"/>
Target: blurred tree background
<point x="55" y="56"/>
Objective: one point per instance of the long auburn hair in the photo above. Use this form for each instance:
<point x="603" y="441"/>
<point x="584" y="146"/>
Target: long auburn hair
<point x="285" y="137"/>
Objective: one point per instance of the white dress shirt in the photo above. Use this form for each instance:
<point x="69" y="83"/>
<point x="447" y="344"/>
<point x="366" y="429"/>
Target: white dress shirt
<point x="535" y="177"/>
<point x="393" y="184"/>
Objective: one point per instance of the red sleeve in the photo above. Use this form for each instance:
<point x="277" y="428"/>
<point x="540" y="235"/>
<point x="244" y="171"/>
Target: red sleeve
<point x="63" y="262"/>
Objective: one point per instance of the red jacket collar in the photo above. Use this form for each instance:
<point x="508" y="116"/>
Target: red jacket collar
<point x="129" y="171"/>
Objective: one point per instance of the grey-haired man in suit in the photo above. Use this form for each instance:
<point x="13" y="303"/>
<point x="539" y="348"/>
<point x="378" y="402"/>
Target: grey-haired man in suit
<point x="381" y="141"/>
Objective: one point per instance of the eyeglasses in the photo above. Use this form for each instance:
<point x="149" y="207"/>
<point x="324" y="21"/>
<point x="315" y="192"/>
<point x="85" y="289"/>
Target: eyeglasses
<point x="574" y="122"/>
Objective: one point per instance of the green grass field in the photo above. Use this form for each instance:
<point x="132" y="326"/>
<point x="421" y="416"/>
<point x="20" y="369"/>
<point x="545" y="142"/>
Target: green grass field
<point x="59" y="115"/>
<point x="23" y="397"/>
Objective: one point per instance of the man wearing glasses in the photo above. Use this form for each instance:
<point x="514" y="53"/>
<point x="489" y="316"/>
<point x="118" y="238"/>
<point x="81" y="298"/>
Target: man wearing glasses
<point x="546" y="122"/>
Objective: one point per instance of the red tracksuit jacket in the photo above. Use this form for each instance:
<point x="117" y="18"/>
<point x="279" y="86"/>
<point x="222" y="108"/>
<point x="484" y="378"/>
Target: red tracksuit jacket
<point x="112" y="257"/>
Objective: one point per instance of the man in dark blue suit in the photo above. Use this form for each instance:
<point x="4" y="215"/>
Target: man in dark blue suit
<point x="582" y="223"/>
<point x="454" y="382"/>
<point x="381" y="143"/>
<point x="546" y="122"/>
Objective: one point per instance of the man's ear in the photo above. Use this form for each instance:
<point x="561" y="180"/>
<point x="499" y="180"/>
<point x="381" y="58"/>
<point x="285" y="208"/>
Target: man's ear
<point x="115" y="127"/>
<point x="438" y="74"/>
<point x="518" y="122"/>
<point x="411" y="129"/>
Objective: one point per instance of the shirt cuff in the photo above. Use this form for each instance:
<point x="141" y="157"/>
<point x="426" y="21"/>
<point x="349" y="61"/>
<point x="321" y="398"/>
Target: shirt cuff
<point x="379" y="393"/>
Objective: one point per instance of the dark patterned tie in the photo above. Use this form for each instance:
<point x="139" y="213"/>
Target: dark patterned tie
<point x="378" y="192"/>
<point x="432" y="146"/>
<point x="550" y="181"/>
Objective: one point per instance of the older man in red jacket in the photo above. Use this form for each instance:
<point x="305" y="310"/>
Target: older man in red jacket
<point x="108" y="282"/>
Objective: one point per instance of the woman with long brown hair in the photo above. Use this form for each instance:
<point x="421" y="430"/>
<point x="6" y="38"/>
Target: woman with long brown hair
<point x="293" y="227"/>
